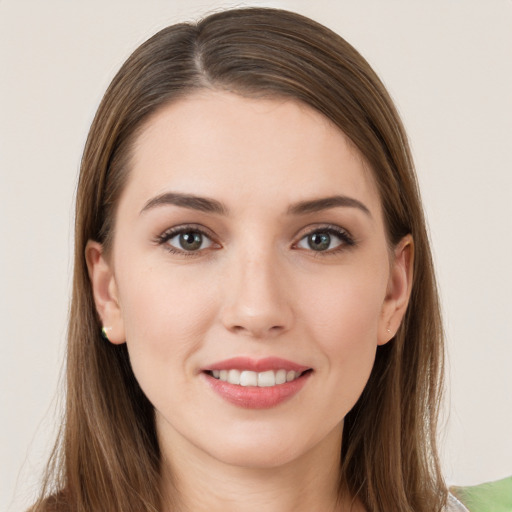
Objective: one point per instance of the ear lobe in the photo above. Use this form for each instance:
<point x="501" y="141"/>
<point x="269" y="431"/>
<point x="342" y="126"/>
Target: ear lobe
<point x="399" y="290"/>
<point x="105" y="292"/>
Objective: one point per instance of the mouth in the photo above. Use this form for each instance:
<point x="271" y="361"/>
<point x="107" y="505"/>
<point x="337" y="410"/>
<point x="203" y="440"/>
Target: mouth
<point x="256" y="384"/>
<point x="265" y="379"/>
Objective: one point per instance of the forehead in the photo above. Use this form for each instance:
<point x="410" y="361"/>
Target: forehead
<point x="221" y="144"/>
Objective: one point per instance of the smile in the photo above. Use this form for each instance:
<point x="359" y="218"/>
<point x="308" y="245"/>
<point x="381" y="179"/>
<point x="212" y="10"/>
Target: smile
<point x="260" y="379"/>
<point x="256" y="383"/>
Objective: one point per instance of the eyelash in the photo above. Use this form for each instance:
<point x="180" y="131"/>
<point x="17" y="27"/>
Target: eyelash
<point x="347" y="241"/>
<point x="164" y="238"/>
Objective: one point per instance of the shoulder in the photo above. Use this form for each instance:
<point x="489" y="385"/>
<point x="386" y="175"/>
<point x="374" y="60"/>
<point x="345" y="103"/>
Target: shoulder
<point x="495" y="496"/>
<point x="454" y="505"/>
<point x="53" y="503"/>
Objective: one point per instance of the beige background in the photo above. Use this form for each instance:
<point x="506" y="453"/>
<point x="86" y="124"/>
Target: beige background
<point x="447" y="64"/>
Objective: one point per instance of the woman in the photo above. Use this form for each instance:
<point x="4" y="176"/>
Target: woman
<point x="255" y="322"/>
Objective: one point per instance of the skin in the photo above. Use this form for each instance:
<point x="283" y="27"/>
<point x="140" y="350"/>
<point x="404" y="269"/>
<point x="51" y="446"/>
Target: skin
<point x="255" y="287"/>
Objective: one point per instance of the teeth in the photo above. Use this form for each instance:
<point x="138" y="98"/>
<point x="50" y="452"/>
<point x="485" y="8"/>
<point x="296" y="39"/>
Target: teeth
<point x="266" y="379"/>
<point x="248" y="378"/>
<point x="281" y="376"/>
<point x="234" y="376"/>
<point x="262" y="379"/>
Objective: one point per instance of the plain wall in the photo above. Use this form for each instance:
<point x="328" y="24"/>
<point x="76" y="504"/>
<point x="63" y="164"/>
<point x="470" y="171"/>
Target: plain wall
<point x="448" y="66"/>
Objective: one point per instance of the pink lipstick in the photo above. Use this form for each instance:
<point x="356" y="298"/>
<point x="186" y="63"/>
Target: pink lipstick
<point x="256" y="383"/>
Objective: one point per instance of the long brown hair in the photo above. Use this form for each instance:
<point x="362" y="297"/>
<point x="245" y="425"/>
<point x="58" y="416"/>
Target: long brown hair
<point x="108" y="456"/>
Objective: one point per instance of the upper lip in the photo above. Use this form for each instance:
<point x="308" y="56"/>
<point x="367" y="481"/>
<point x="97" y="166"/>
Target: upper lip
<point x="256" y="365"/>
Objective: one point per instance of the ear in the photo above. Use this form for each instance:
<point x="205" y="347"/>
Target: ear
<point x="398" y="291"/>
<point x="105" y="292"/>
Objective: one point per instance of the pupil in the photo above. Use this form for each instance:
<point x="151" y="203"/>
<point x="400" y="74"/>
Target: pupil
<point x="191" y="241"/>
<point x="319" y="241"/>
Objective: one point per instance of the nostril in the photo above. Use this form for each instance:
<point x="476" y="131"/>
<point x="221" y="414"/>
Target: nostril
<point x="256" y="319"/>
<point x="257" y="331"/>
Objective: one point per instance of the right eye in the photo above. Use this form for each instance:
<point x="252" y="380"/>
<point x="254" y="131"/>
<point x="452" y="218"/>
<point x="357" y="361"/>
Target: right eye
<point x="185" y="240"/>
<point x="190" y="241"/>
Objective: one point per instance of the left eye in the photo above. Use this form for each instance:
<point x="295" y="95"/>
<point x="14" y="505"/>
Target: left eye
<point x="189" y="241"/>
<point x="320" y="241"/>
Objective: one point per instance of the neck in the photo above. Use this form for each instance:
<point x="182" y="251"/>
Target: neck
<point x="196" y="482"/>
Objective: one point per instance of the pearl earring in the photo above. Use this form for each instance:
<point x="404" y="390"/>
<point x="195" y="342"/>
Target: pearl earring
<point x="105" y="331"/>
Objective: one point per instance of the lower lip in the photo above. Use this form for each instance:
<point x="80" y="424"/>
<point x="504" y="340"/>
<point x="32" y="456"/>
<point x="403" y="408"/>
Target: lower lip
<point x="254" y="397"/>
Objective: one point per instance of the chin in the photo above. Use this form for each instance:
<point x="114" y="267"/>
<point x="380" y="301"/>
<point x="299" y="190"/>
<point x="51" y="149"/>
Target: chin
<point x="257" y="456"/>
<point x="267" y="447"/>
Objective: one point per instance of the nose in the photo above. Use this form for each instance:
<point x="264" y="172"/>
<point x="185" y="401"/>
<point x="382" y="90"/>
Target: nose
<point x="257" y="298"/>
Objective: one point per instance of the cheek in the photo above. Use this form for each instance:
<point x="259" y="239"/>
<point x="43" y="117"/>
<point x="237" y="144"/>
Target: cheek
<point x="343" y="318"/>
<point x="347" y="306"/>
<point x="166" y="313"/>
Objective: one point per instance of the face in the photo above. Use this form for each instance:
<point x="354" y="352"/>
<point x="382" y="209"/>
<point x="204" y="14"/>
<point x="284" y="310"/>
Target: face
<point x="250" y="277"/>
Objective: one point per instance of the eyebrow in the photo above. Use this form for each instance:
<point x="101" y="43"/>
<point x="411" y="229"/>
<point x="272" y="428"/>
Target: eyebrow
<point x="325" y="203"/>
<point x="202" y="204"/>
<point x="208" y="205"/>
